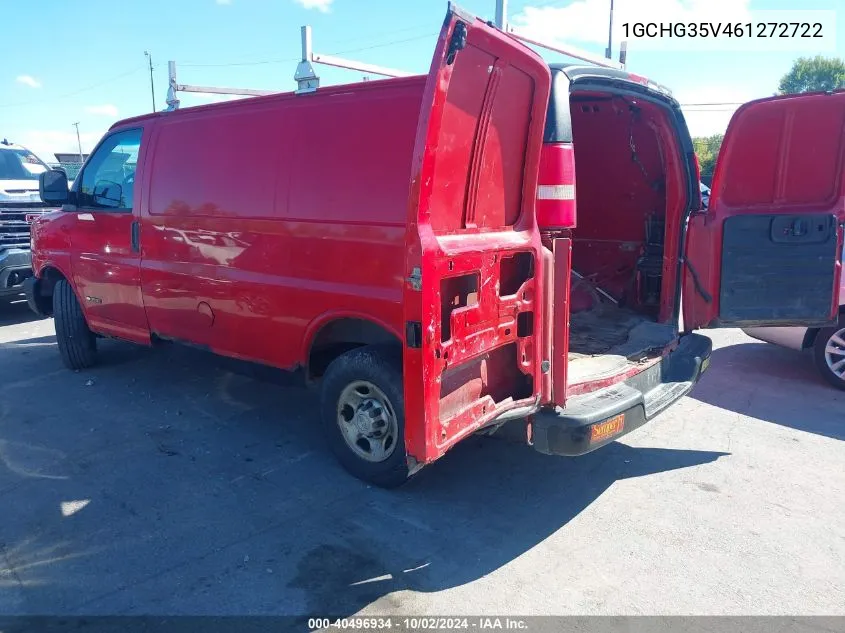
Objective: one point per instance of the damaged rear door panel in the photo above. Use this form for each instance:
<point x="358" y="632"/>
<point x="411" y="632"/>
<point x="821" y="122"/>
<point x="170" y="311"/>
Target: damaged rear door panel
<point x="474" y="288"/>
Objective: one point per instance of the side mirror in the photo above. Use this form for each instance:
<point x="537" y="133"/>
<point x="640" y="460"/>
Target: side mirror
<point x="52" y="187"/>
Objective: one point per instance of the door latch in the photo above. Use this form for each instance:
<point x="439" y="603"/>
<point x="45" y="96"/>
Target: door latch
<point x="135" y="232"/>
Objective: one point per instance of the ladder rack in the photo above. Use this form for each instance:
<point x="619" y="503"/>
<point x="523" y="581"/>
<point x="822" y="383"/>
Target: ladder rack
<point x="307" y="79"/>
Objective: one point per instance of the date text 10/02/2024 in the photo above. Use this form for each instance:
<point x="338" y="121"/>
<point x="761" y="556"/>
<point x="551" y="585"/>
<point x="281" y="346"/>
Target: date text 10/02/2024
<point x="418" y="623"/>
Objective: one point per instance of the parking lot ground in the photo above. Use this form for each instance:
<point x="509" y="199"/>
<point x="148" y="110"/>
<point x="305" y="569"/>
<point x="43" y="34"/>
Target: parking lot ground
<point x="163" y="483"/>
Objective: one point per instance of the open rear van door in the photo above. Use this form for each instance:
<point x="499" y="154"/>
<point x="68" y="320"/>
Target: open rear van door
<point x="473" y="290"/>
<point x="768" y="250"/>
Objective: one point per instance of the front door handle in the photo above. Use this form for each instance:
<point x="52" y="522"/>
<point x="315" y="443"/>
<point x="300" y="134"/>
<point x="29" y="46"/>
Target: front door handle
<point x="136" y="236"/>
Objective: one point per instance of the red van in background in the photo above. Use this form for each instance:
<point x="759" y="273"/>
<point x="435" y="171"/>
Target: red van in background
<point x="413" y="245"/>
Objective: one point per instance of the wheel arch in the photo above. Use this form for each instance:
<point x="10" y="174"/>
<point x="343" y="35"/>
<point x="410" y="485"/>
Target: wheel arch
<point x="813" y="332"/>
<point x="332" y="334"/>
<point x="48" y="276"/>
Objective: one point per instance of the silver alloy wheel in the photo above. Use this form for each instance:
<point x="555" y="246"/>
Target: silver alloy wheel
<point x="834" y="353"/>
<point x="367" y="421"/>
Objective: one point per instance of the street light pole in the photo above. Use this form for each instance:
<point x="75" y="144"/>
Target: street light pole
<point x="79" y="143"/>
<point x="152" y="87"/>
<point x="609" y="52"/>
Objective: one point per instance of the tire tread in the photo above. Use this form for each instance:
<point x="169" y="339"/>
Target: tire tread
<point x="77" y="345"/>
<point x="382" y="365"/>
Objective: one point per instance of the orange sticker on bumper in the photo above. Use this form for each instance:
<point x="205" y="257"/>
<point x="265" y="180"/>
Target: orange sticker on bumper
<point x="608" y="428"/>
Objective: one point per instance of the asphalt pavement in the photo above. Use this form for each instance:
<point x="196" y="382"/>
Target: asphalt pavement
<point x="165" y="482"/>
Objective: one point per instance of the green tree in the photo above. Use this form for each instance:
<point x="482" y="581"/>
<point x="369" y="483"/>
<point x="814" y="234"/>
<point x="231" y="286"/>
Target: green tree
<point x="707" y="150"/>
<point x="810" y="74"/>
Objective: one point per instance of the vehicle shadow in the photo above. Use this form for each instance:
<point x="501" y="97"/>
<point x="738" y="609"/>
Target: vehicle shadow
<point x="16" y="311"/>
<point x="488" y="503"/>
<point x="759" y="379"/>
<point x="186" y="489"/>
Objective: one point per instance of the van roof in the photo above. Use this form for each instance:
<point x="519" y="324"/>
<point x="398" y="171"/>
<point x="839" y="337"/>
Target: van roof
<point x="579" y="71"/>
<point x="277" y="96"/>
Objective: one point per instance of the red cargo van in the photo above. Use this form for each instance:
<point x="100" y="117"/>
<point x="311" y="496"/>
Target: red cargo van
<point x="413" y="245"/>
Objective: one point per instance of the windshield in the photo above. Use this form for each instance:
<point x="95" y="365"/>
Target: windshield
<point x="20" y="164"/>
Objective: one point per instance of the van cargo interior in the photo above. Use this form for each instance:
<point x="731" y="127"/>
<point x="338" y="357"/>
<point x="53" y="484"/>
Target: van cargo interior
<point x="630" y="187"/>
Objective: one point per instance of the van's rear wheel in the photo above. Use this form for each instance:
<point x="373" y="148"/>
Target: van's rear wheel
<point x="77" y="344"/>
<point x="363" y="414"/>
<point x="830" y="354"/>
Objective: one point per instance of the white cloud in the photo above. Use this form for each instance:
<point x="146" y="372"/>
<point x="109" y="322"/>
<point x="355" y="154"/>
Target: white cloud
<point x="223" y="1"/>
<point x="585" y="21"/>
<point x="105" y="109"/>
<point x="28" y="80"/>
<point x="45" y="143"/>
<point x="323" y="6"/>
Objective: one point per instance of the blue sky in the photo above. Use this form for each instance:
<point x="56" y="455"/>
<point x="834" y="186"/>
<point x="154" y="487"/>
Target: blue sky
<point x="84" y="61"/>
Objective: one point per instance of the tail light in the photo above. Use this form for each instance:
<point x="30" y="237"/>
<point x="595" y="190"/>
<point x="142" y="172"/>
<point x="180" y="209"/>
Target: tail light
<point x="556" y="187"/>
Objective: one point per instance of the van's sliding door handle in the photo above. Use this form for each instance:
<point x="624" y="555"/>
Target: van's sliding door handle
<point x="136" y="236"/>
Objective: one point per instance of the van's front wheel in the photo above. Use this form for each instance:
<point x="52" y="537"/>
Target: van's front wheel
<point x="363" y="414"/>
<point x="77" y="344"/>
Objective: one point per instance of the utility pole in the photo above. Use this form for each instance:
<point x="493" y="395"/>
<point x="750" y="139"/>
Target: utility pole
<point x="79" y="143"/>
<point x="609" y="52"/>
<point x="502" y="14"/>
<point x="152" y="87"/>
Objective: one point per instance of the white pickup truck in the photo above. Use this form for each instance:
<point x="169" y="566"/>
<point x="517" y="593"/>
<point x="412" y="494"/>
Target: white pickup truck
<point x="20" y="204"/>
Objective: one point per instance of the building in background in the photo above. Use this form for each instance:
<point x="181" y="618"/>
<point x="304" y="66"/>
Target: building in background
<point x="70" y="163"/>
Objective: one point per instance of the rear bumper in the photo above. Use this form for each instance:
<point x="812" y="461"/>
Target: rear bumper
<point x="571" y="430"/>
<point x="15" y="267"/>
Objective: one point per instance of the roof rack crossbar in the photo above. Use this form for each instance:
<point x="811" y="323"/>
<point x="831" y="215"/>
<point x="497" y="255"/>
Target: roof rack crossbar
<point x="569" y="51"/>
<point x="307" y="79"/>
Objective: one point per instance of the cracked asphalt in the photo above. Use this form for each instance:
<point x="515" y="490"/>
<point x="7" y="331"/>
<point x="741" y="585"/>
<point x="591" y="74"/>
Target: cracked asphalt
<point x="164" y="482"/>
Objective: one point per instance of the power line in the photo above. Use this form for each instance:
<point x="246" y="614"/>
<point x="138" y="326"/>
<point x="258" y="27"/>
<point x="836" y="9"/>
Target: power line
<point x="376" y="35"/>
<point x="292" y="60"/>
<point x="724" y="103"/>
<point x="367" y="48"/>
<point x="540" y="4"/>
<point x="76" y="92"/>
<point x="296" y="59"/>
<point x="289" y="60"/>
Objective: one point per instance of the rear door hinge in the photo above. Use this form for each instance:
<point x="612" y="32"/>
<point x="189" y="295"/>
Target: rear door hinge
<point x="457" y="42"/>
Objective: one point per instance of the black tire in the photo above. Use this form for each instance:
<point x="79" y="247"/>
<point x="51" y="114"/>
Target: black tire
<point x="822" y="339"/>
<point x="77" y="344"/>
<point x="381" y="366"/>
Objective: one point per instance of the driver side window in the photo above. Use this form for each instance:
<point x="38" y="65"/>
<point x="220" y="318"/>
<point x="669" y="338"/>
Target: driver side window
<point x="108" y="180"/>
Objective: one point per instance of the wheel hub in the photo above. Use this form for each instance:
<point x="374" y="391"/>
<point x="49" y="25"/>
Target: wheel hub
<point x="370" y="418"/>
<point x="367" y="422"/>
<point x="835" y="353"/>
